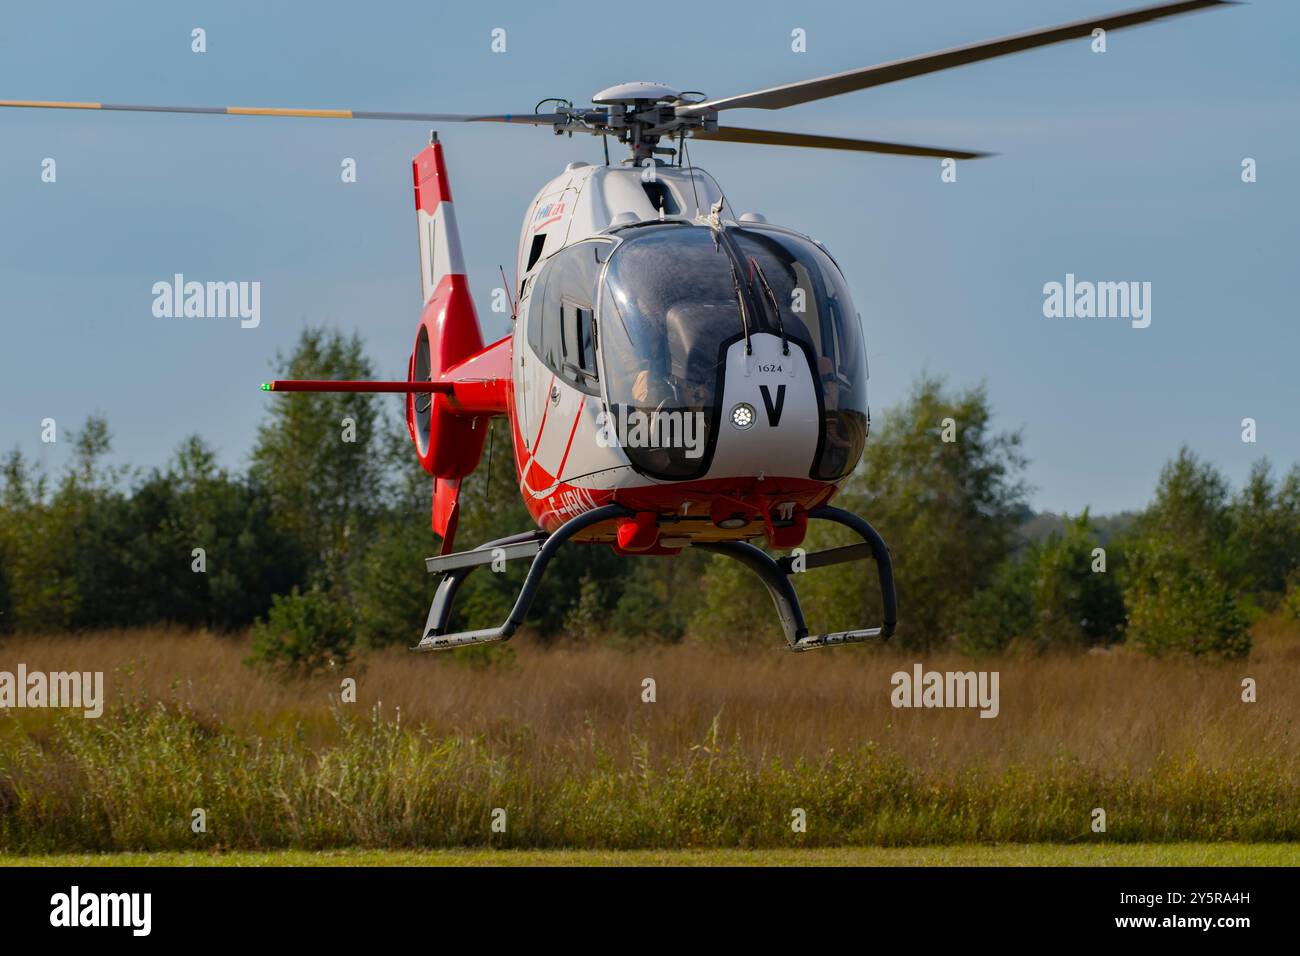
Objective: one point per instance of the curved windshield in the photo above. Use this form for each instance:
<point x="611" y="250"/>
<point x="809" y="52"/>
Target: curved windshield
<point x="668" y="309"/>
<point x="799" y="292"/>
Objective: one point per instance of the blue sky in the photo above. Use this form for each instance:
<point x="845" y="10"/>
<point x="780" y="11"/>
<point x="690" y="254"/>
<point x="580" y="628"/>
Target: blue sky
<point x="1115" y="166"/>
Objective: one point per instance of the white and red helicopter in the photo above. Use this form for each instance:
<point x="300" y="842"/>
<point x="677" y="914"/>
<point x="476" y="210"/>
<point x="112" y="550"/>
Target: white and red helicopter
<point x="678" y="375"/>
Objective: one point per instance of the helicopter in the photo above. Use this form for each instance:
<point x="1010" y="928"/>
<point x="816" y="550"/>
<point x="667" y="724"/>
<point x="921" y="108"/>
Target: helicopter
<point x="677" y="375"/>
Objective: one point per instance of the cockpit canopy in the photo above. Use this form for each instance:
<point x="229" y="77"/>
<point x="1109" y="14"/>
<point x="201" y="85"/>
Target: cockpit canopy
<point x="669" y="303"/>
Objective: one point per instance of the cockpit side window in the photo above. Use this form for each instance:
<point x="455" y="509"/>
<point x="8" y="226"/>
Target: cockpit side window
<point x="577" y="346"/>
<point x="561" y="323"/>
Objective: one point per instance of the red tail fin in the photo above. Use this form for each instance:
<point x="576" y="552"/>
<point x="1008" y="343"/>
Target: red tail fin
<point x="449" y="429"/>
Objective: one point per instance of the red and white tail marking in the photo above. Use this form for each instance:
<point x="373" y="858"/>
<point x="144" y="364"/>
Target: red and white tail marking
<point x="440" y="253"/>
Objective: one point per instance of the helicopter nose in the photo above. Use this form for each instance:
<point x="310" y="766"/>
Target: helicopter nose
<point x="770" y="416"/>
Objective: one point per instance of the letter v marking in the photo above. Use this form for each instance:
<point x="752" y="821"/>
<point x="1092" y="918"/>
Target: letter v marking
<point x="773" y="411"/>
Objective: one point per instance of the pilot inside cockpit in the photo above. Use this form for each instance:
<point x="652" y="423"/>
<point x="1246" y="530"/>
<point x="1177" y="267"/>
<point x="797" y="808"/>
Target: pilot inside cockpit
<point x="650" y="369"/>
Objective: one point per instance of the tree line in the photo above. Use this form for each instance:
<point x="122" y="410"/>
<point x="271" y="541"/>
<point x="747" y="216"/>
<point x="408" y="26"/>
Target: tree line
<point x="318" y="544"/>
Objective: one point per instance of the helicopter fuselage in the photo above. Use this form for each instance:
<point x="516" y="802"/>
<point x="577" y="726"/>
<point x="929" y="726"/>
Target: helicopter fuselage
<point x="654" y="365"/>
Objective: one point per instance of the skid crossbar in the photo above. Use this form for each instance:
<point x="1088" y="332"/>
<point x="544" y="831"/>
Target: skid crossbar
<point x="457" y="567"/>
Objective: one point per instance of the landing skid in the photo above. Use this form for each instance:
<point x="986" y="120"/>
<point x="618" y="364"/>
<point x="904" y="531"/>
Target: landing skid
<point x="455" y="568"/>
<point x="775" y="574"/>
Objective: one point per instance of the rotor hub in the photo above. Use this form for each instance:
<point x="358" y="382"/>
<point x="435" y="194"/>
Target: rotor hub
<point x="630" y="93"/>
<point x="640" y="114"/>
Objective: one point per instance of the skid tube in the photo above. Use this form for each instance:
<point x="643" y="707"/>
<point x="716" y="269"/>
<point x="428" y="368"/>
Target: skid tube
<point x="775" y="575"/>
<point x="457" y="567"/>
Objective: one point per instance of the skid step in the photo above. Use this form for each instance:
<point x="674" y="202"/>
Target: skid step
<point x="442" y="642"/>
<point x="481" y="556"/>
<point x="814" y="641"/>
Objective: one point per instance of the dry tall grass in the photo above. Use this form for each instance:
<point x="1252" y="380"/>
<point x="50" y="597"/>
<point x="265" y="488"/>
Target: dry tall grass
<point x="1108" y="710"/>
<point x="564" y="732"/>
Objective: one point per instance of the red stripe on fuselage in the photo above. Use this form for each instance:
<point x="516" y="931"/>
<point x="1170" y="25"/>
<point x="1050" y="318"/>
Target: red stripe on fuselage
<point x="573" y="431"/>
<point x="527" y="479"/>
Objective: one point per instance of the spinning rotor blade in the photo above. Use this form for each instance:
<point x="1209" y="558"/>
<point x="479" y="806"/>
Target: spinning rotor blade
<point x="771" y="137"/>
<point x="805" y="91"/>
<point x="531" y="119"/>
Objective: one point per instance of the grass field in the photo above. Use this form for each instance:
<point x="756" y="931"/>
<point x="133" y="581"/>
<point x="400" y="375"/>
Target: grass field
<point x="1037" y="854"/>
<point x="562" y="741"/>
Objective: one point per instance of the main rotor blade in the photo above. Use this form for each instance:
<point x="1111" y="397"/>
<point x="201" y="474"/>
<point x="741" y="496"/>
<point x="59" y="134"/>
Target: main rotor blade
<point x="771" y="137"/>
<point x="531" y="119"/>
<point x="805" y="91"/>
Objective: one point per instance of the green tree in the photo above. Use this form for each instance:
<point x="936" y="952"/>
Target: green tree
<point x="1047" y="597"/>
<point x="1177" y="605"/>
<point x="732" y="608"/>
<point x="948" y="509"/>
<point x="1191" y="506"/>
<point x="1179" y="583"/>
<point x="60" y="565"/>
<point x="320" y="456"/>
<point x="195" y="506"/>
<point x="304" y="632"/>
<point x="1291" y="602"/>
<point x="1001" y="612"/>
<point x="390" y="589"/>
<point x="657" y="597"/>
<point x="1075" y="605"/>
<point x="1264" y="541"/>
<point x="16" y="512"/>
